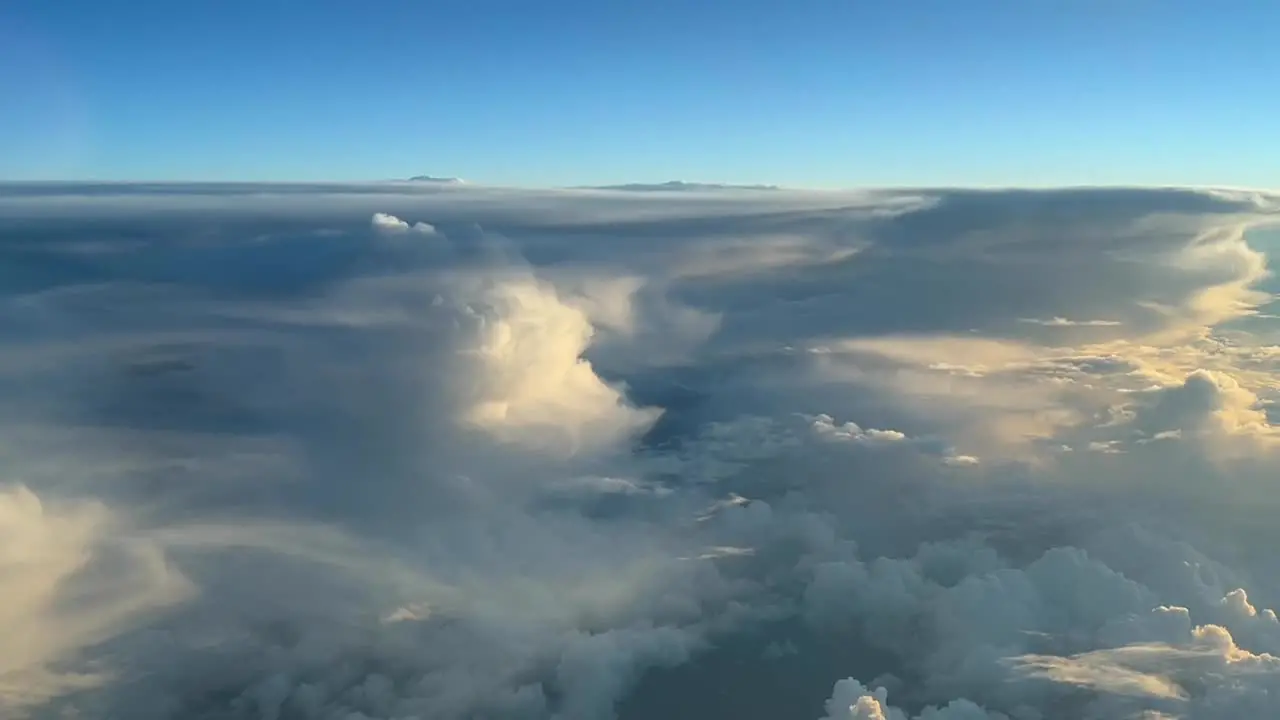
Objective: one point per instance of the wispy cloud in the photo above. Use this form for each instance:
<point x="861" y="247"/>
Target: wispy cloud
<point x="1063" y="322"/>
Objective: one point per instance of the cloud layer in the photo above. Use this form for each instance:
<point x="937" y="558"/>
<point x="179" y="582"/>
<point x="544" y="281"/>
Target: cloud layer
<point x="407" y="451"/>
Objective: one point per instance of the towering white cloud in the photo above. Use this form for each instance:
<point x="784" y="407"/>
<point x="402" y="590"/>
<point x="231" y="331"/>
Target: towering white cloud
<point x="534" y="385"/>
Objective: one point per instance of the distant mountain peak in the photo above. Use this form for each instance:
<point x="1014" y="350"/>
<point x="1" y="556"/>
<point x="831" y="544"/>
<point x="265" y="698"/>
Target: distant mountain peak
<point x="434" y="179"/>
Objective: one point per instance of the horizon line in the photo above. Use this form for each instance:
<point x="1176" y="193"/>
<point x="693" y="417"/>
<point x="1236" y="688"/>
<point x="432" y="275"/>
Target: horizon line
<point x="675" y="186"/>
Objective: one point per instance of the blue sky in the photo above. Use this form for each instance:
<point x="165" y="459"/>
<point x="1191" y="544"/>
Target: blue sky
<point x="803" y="92"/>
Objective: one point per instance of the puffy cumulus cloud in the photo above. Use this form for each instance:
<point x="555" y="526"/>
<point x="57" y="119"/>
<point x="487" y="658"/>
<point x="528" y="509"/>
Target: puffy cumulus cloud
<point x="850" y="700"/>
<point x="1036" y="619"/>
<point x="386" y="223"/>
<point x="532" y="374"/>
<point x="1206" y="403"/>
<point x="597" y="453"/>
<point x="826" y="426"/>
<point x="1198" y="672"/>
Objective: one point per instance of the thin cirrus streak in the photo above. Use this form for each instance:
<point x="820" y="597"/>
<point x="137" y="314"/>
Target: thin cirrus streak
<point x="441" y="451"/>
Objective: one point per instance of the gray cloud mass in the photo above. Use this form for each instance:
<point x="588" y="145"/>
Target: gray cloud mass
<point x="423" y="451"/>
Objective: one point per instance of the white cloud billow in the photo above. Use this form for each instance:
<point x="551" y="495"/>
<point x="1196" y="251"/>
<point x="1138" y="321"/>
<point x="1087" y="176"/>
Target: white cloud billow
<point x="383" y="222"/>
<point x="532" y="378"/>
<point x="850" y="700"/>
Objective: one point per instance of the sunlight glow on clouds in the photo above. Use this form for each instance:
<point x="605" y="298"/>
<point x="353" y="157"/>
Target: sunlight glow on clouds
<point x="581" y="454"/>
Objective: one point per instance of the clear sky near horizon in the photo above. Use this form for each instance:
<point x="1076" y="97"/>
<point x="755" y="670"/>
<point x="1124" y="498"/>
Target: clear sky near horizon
<point x="803" y="92"/>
